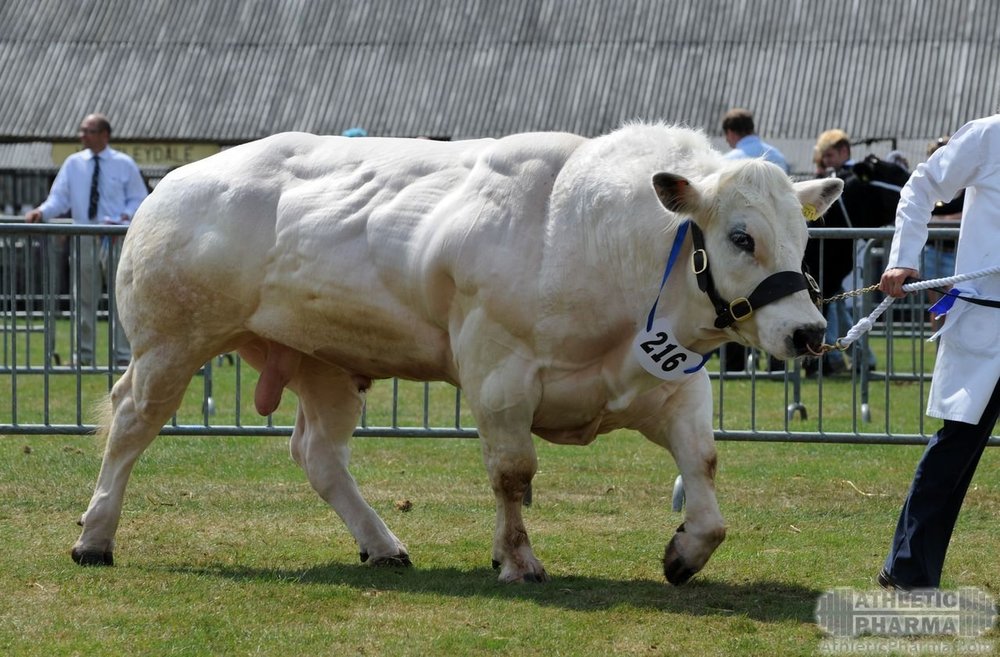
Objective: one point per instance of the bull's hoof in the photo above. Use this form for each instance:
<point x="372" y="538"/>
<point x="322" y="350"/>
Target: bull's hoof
<point x="401" y="560"/>
<point x="537" y="578"/>
<point x="532" y="577"/>
<point x="363" y="556"/>
<point x="92" y="558"/>
<point x="674" y="568"/>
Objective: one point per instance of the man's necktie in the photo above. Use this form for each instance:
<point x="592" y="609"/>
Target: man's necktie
<point x="94" y="195"/>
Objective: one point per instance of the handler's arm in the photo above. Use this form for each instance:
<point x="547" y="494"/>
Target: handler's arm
<point x="949" y="169"/>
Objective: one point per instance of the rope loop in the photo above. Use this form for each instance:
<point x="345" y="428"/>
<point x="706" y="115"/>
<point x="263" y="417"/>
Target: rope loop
<point x="866" y="324"/>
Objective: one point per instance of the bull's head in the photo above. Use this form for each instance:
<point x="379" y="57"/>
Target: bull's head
<point x="749" y="236"/>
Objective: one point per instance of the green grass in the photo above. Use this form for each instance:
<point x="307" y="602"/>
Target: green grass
<point x="224" y="550"/>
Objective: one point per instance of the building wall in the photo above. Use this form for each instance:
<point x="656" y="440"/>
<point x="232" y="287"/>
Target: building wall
<point x="227" y="71"/>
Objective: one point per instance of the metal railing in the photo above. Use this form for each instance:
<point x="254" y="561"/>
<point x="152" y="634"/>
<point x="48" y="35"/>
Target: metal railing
<point x="51" y="392"/>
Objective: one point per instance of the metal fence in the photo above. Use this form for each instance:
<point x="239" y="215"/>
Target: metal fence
<point x="757" y="399"/>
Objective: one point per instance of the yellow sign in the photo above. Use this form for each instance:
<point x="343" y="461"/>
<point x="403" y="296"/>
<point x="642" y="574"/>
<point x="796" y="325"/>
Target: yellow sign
<point x="164" y="155"/>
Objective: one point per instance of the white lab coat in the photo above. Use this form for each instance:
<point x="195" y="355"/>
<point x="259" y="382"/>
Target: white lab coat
<point x="968" y="362"/>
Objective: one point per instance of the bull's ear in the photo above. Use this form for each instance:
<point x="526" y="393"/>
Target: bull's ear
<point x="816" y="196"/>
<point x="676" y="193"/>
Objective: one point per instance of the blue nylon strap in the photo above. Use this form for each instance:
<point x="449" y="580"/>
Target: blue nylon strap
<point x="671" y="259"/>
<point x="945" y="303"/>
<point x="704" y="359"/>
<point x="674" y="252"/>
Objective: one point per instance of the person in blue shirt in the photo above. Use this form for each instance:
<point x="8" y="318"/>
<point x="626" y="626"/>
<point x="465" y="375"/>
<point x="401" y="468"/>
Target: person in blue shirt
<point x="738" y="128"/>
<point x="97" y="185"/>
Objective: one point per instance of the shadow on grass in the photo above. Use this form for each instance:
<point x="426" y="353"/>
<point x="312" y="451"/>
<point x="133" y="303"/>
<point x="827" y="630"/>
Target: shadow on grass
<point x="762" y="601"/>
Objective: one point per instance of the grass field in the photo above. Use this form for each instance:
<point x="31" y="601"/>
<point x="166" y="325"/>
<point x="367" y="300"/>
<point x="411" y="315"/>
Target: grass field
<point x="225" y="550"/>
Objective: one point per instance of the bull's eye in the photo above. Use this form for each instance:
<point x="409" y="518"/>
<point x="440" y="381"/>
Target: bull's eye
<point x="742" y="240"/>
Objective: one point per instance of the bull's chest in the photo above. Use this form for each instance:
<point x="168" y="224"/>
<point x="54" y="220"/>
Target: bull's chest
<point x="577" y="407"/>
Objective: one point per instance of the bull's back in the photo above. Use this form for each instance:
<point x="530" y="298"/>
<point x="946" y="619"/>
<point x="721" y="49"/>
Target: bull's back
<point x="351" y="250"/>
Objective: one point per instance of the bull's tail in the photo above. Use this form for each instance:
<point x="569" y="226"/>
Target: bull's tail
<point x="102" y="414"/>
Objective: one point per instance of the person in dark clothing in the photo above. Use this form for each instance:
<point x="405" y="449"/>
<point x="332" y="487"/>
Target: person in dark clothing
<point x="868" y="201"/>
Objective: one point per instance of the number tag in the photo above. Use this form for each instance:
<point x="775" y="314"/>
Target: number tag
<point x="661" y="355"/>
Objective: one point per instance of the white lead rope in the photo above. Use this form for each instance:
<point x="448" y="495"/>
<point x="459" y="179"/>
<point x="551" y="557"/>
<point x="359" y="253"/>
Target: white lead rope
<point x="866" y="323"/>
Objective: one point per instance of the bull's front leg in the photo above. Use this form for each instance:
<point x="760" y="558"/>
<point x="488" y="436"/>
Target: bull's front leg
<point x="503" y="408"/>
<point x="511" y="464"/>
<point x="683" y="424"/>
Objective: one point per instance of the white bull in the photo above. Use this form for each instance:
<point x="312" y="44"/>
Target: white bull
<point x="520" y="269"/>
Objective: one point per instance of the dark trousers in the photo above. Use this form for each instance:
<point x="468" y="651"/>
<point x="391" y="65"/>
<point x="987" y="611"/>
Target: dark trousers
<point x="916" y="556"/>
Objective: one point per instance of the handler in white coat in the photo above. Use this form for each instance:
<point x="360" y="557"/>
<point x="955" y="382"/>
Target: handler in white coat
<point x="964" y="391"/>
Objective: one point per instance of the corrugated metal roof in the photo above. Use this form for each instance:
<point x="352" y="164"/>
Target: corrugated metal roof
<point x="231" y="70"/>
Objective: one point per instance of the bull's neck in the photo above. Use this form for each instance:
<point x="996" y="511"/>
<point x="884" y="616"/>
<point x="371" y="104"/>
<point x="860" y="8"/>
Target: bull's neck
<point x="687" y="308"/>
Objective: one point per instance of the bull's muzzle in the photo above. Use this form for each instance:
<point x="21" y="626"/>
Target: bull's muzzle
<point x="808" y="339"/>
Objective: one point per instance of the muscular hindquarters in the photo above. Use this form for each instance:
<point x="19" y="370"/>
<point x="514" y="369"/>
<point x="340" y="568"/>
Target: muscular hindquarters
<point x="186" y="268"/>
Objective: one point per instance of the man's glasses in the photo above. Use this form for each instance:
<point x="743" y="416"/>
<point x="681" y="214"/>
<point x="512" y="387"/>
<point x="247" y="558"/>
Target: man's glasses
<point x="90" y="131"/>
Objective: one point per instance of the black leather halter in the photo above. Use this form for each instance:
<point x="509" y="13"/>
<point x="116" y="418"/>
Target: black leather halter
<point x="772" y="288"/>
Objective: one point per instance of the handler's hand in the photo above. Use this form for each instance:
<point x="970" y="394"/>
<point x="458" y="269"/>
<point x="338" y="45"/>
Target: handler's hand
<point x="33" y="216"/>
<point x="893" y="279"/>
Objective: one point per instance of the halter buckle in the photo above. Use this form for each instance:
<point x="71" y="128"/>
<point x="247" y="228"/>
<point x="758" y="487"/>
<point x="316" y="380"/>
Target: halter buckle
<point x="737" y="315"/>
<point x="814" y="290"/>
<point x="699" y="261"/>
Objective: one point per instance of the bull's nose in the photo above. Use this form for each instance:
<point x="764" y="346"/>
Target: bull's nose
<point x="808" y="339"/>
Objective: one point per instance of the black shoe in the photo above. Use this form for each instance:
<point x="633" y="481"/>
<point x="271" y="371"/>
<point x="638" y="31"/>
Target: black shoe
<point x="735" y="356"/>
<point x="830" y="367"/>
<point x="887" y="582"/>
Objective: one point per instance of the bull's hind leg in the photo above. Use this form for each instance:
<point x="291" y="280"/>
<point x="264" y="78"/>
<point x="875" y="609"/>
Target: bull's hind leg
<point x="144" y="398"/>
<point x="683" y="424"/>
<point x="330" y="403"/>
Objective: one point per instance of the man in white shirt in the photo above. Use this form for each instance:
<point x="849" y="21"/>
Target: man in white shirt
<point x="97" y="185"/>
<point x="965" y="388"/>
